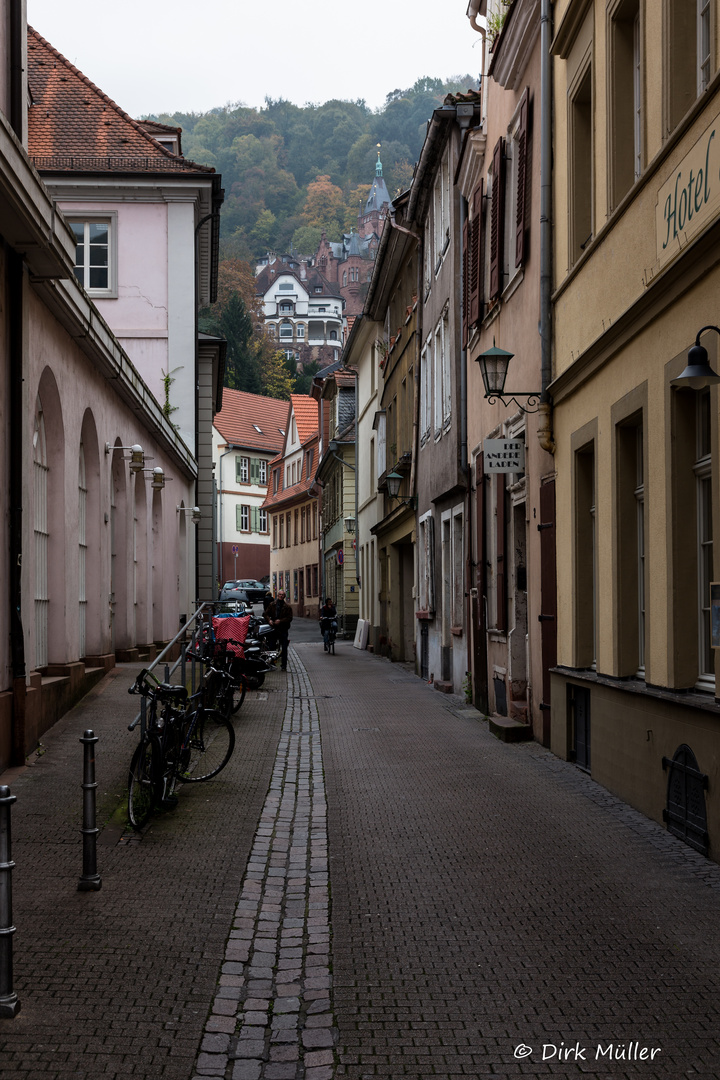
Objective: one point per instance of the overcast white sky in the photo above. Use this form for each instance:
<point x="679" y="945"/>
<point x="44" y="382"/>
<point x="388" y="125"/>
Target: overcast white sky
<point x="154" y="56"/>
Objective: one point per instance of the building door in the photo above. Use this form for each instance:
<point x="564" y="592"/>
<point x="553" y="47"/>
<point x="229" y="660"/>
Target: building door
<point x="685" y="811"/>
<point x="548" y="589"/>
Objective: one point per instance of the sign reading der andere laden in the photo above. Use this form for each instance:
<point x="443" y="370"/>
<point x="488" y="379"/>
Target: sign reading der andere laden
<point x="504" y="455"/>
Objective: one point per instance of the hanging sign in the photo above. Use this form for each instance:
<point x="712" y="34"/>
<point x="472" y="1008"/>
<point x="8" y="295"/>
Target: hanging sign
<point x="340" y="557"/>
<point x="504" y="455"/>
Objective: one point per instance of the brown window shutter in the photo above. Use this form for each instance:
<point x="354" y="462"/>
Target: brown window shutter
<point x="520" y="223"/>
<point x="497" y="220"/>
<point x="475" y="261"/>
<point x="466" y="283"/>
<point x="500" y="575"/>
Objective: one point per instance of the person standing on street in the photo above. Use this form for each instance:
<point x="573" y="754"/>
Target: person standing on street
<point x="279" y="615"/>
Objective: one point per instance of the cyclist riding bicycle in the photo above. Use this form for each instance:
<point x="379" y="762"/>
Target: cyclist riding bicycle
<point x="328" y="621"/>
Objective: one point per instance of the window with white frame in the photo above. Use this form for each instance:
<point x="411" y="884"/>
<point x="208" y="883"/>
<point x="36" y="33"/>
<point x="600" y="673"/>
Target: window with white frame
<point x="300" y="328"/>
<point x="426" y="391"/>
<point x="95" y="254"/>
<point x="438" y="382"/>
<point x="242" y="518"/>
<point x="458" y="576"/>
<point x="242" y="470"/>
<point x="262" y="471"/>
<point x="703" y="44"/>
<point x="426" y="563"/>
<point x="428" y="270"/>
<point x="286" y="329"/>
<point x="446" y="379"/>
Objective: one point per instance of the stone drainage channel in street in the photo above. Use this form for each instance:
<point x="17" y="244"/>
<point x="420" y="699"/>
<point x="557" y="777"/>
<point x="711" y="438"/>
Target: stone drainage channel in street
<point x="271" y="1018"/>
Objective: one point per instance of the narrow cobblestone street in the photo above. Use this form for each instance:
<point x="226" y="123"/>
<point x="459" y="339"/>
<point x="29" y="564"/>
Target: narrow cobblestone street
<point x="481" y="897"/>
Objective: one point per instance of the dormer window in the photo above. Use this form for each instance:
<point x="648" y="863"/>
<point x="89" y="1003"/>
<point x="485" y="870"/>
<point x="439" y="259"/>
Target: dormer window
<point x="318" y="288"/>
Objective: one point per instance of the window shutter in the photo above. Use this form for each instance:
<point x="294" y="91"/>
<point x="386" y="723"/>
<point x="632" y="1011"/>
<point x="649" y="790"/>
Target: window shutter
<point x="238" y="517"/>
<point x="238" y="474"/>
<point x="254" y="471"/>
<point x="522" y="142"/>
<point x="475" y="262"/>
<point x="254" y="522"/>
<point x="500" y="576"/>
<point x="497" y="222"/>
<point x="466" y="283"/>
<point x="430" y="534"/>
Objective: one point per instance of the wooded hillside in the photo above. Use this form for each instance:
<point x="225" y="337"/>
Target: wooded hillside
<point x="290" y="171"/>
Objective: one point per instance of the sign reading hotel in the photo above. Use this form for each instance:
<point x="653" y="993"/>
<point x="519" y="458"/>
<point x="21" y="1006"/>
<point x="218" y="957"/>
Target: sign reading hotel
<point x="690" y="198"/>
<point x="504" y="455"/>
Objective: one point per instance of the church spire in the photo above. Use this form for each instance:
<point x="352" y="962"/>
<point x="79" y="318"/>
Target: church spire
<point x="378" y="165"/>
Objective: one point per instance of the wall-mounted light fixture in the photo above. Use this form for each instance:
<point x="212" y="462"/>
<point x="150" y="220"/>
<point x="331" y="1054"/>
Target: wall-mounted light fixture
<point x="494" y="365"/>
<point x="159" y="479"/>
<point x="137" y="455"/>
<point x="394" y="480"/>
<point x="194" y="511"/>
<point x="350" y="524"/>
<point x="698" y="374"/>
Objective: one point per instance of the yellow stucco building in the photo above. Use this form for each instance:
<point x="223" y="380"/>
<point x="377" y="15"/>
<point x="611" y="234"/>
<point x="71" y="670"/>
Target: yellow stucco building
<point x="636" y="277"/>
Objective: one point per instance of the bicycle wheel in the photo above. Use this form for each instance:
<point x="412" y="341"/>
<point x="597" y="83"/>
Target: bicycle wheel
<point x="141" y="787"/>
<point x="171" y="766"/>
<point x="232" y="696"/>
<point x="210" y="742"/>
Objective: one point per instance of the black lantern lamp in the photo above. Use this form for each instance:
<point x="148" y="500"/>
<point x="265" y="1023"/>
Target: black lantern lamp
<point x="698" y="374"/>
<point x="394" y="480"/>
<point x="494" y="368"/>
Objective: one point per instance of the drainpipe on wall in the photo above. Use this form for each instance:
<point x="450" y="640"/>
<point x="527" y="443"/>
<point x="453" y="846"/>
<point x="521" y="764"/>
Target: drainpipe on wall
<point x="545" y="432"/>
<point x="472" y="14"/>
<point x="15" y="286"/>
<point x="220" y="512"/>
<point x="15" y="273"/>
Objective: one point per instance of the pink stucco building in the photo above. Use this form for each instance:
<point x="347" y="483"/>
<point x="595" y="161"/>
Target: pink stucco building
<point x="99" y="550"/>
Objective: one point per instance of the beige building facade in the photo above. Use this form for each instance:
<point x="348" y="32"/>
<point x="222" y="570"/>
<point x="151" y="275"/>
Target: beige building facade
<point x="637" y="277"/>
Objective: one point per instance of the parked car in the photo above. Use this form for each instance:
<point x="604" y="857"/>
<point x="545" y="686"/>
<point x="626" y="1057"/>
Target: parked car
<point x="247" y="590"/>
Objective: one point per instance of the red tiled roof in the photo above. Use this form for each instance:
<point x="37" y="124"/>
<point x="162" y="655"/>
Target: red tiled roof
<point x="241" y="411"/>
<point x="74" y="127"/>
<point x="305" y="482"/>
<point x="307" y="415"/>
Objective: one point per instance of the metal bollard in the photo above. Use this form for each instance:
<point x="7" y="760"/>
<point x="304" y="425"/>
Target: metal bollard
<point x="9" y="1004"/>
<point x="90" y="880"/>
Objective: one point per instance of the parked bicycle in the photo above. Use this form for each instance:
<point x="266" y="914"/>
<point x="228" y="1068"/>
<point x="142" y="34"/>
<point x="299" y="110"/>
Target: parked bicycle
<point x="183" y="741"/>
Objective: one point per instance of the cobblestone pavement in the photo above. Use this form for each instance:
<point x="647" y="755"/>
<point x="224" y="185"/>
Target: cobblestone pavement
<point x="271" y="1016"/>
<point x="494" y="912"/>
<point x="489" y="900"/>
<point x="120" y="982"/>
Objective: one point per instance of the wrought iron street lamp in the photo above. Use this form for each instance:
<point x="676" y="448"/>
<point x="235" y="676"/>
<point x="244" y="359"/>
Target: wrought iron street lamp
<point x="350" y="524"/>
<point x="698" y="374"/>
<point x="494" y="365"/>
<point x="394" y="480"/>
